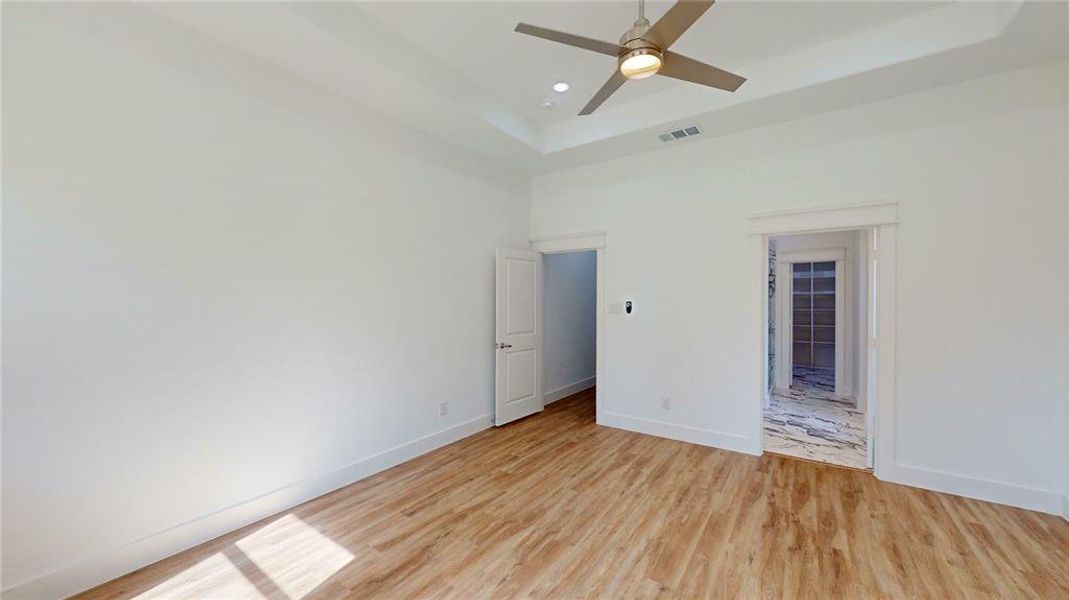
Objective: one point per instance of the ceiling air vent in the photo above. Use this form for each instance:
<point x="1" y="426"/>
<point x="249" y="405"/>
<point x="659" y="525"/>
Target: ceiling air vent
<point x="679" y="134"/>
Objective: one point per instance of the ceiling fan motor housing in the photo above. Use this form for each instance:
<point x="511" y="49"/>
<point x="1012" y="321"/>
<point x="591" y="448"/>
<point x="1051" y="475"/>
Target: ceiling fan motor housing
<point x="635" y="38"/>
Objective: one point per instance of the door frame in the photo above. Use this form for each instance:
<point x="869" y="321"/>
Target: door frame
<point x="882" y="219"/>
<point x="580" y="242"/>
<point x="843" y="328"/>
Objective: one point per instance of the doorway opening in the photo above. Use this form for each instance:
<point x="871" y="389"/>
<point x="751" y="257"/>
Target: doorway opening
<point x="820" y="314"/>
<point x="549" y="325"/>
<point x="569" y="326"/>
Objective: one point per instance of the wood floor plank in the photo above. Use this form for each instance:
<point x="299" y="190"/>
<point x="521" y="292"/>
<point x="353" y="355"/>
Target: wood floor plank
<point x="554" y="506"/>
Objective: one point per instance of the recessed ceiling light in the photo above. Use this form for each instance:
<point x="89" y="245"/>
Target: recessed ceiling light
<point x="561" y="86"/>
<point x="547" y="103"/>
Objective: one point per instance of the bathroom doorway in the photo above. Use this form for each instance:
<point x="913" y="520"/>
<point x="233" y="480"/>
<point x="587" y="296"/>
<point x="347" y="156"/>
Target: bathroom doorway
<point x="818" y="301"/>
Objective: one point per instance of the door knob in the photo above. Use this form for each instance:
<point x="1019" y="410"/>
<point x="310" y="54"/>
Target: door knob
<point x="503" y="346"/>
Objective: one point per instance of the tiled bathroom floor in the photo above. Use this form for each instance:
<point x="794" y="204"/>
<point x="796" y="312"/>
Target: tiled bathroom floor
<point x="820" y="379"/>
<point x="811" y="422"/>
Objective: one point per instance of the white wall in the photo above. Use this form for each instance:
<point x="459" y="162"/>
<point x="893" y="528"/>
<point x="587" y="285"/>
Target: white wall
<point x="570" y="330"/>
<point x="978" y="170"/>
<point x="225" y="292"/>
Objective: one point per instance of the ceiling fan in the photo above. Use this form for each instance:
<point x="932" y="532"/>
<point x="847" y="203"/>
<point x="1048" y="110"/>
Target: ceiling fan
<point x="643" y="51"/>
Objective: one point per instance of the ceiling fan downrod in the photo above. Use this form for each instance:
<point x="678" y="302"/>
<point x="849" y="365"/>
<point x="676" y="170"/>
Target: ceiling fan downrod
<point x="640" y="27"/>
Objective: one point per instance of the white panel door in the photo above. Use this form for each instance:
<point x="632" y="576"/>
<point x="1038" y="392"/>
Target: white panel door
<point x="518" y="385"/>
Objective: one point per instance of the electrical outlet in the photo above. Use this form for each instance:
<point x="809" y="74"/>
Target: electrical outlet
<point x="443" y="409"/>
<point x="666" y="402"/>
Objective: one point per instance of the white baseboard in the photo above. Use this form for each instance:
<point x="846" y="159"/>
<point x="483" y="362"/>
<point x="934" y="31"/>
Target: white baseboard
<point x="682" y="433"/>
<point x="567" y="390"/>
<point x="1031" y="498"/>
<point x="95" y="570"/>
<point x="1047" y="501"/>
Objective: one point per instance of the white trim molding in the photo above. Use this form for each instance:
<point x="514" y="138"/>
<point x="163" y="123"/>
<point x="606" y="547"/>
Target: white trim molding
<point x="815" y="255"/>
<point x="827" y="218"/>
<point x="577" y="242"/>
<point x="571" y="242"/>
<point x="1011" y="494"/>
<point x="883" y="383"/>
<point x="682" y="433"/>
<point x="567" y="390"/>
<point x="98" y="569"/>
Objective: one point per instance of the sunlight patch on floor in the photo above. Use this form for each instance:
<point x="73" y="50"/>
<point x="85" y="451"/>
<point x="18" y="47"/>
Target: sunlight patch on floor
<point x="283" y="559"/>
<point x="296" y="557"/>
<point x="213" y="577"/>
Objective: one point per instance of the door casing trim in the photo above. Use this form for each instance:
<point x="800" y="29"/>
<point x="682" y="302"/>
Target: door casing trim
<point x="579" y="242"/>
<point x="882" y="218"/>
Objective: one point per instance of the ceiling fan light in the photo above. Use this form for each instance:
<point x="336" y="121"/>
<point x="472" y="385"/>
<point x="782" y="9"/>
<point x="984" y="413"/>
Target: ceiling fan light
<point x="640" y="63"/>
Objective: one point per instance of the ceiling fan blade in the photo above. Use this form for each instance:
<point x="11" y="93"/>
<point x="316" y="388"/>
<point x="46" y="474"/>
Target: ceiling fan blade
<point x="603" y="94"/>
<point x="682" y="67"/>
<point x="676" y="21"/>
<point x="572" y="40"/>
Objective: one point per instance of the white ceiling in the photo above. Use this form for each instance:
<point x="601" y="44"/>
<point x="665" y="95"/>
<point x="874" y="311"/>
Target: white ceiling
<point x="459" y="72"/>
<point x="477" y="39"/>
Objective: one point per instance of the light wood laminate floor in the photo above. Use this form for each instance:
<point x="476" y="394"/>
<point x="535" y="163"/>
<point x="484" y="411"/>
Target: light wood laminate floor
<point x="554" y="506"/>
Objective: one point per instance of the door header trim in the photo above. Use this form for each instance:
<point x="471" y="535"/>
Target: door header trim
<point x="571" y="242"/>
<point x="824" y="218"/>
